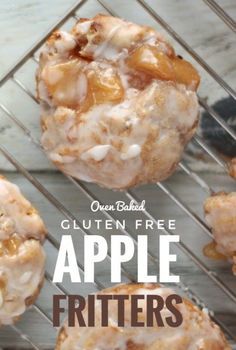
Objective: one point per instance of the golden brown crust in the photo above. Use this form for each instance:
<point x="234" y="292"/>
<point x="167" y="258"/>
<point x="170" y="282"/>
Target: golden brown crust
<point x="220" y="213"/>
<point x="122" y="104"/>
<point x="232" y="168"/>
<point x="22" y="257"/>
<point x="61" y="338"/>
<point x="31" y="300"/>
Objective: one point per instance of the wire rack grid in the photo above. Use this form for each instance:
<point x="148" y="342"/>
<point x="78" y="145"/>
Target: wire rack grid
<point x="228" y="290"/>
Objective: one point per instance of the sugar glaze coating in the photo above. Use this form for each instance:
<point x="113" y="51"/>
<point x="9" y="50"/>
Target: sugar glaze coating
<point x="220" y="213"/>
<point x="117" y="105"/>
<point x="22" y="257"/>
<point x="197" y="331"/>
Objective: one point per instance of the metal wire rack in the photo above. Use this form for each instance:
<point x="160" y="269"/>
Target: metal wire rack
<point x="228" y="291"/>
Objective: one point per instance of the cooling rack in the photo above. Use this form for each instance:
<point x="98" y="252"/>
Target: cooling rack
<point x="88" y="192"/>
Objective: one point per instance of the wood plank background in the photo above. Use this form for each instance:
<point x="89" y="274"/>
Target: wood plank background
<point x="22" y="22"/>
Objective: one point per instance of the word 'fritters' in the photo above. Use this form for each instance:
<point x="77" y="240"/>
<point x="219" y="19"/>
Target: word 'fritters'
<point x="140" y="310"/>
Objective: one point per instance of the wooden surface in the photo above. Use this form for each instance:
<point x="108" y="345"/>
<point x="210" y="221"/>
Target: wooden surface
<point x="22" y="22"/>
